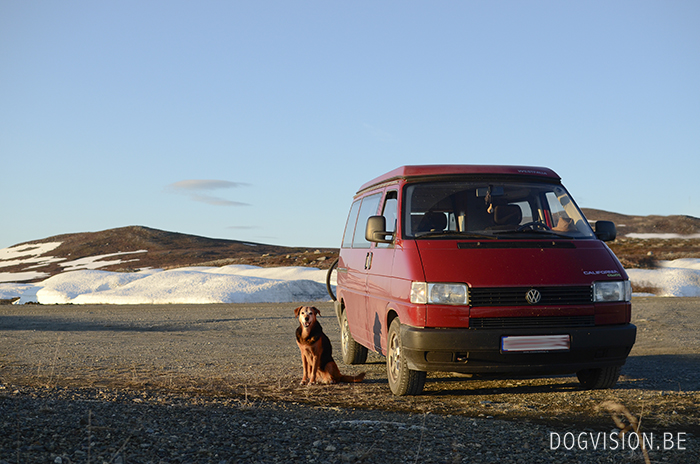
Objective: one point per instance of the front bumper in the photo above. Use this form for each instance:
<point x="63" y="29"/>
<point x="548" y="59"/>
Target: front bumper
<point x="478" y="351"/>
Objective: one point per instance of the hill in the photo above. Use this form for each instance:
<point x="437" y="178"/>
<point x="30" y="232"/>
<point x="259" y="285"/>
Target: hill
<point x="667" y="237"/>
<point x="135" y="247"/>
<point x="681" y="225"/>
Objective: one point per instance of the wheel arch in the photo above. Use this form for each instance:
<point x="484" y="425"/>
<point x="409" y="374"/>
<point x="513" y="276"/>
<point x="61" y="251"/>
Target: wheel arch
<point x="391" y="314"/>
<point x="339" y="306"/>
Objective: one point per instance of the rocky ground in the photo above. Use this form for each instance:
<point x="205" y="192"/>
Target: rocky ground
<point x="220" y="383"/>
<point x="69" y="425"/>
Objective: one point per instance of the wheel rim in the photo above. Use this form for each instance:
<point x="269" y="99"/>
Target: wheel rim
<point x="394" y="357"/>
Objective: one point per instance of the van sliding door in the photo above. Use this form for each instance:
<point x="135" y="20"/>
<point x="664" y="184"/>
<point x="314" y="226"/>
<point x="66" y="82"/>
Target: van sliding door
<point x="379" y="276"/>
<point x="356" y="263"/>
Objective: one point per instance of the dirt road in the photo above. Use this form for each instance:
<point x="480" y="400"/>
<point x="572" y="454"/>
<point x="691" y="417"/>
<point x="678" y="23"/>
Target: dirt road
<point x="239" y="350"/>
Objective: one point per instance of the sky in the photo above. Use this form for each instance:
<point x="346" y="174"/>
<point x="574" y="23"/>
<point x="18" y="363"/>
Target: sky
<point x="258" y="121"/>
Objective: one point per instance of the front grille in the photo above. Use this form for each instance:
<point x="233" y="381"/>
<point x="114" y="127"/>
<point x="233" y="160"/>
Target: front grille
<point x="517" y="296"/>
<point x="530" y="322"/>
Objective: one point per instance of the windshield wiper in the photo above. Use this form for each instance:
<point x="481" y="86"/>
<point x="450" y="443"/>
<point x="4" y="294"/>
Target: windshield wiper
<point x="531" y="231"/>
<point x="453" y="234"/>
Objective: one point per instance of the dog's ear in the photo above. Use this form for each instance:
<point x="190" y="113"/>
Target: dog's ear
<point x="315" y="310"/>
<point x="296" y="311"/>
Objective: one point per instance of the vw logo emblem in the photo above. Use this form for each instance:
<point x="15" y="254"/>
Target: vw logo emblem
<point x="533" y="296"/>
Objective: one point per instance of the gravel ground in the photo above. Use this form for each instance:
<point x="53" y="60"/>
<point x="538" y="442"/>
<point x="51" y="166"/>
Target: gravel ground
<point x="219" y="384"/>
<point x="68" y="425"/>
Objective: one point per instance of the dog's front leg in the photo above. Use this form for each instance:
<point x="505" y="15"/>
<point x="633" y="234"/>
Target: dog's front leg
<point x="315" y="361"/>
<point x="304" y="366"/>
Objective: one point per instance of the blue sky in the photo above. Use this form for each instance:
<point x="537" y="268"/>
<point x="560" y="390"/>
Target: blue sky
<point x="258" y="120"/>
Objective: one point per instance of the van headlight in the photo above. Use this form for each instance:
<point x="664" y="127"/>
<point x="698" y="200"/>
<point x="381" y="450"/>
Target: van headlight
<point x="612" y="291"/>
<point x="439" y="293"/>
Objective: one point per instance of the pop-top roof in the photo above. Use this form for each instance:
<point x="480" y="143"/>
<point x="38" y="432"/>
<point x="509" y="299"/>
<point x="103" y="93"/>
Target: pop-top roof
<point x="405" y="172"/>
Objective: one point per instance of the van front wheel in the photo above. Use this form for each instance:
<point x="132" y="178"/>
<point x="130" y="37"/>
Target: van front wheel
<point x="402" y="380"/>
<point x="353" y="352"/>
<point x="601" y="378"/>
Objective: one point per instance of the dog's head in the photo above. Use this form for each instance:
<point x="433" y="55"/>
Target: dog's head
<point x="306" y="315"/>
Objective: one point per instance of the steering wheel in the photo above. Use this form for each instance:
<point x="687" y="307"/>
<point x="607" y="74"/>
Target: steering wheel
<point x="534" y="225"/>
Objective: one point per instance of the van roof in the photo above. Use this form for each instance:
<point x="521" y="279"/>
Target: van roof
<point x="405" y="172"/>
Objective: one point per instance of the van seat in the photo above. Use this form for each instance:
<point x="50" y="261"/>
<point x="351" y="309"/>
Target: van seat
<point x="507" y="215"/>
<point x="432" y="221"/>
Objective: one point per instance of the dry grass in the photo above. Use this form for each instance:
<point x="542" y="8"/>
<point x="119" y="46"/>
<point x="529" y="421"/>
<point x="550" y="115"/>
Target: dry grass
<point x="619" y="413"/>
<point x="645" y="287"/>
<point x="645" y="253"/>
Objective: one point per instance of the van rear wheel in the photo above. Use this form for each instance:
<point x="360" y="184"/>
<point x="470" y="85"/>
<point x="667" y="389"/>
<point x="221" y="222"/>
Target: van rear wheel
<point x="601" y="378"/>
<point x="329" y="274"/>
<point x="402" y="380"/>
<point x="353" y="352"/>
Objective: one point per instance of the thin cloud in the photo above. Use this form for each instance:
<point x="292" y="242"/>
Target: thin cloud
<point x="216" y="201"/>
<point x="194" y="187"/>
<point x="204" y="184"/>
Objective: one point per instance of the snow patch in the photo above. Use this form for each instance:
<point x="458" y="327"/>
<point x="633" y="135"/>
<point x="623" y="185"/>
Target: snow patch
<point x="193" y="285"/>
<point x="661" y="236"/>
<point x="28" y="254"/>
<point x="93" y="262"/>
<point x="21" y="276"/>
<point x="680" y="277"/>
<point x="30" y="249"/>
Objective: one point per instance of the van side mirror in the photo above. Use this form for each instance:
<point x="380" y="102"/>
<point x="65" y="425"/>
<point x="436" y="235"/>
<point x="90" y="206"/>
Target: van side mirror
<point x="605" y="231"/>
<point x="376" y="230"/>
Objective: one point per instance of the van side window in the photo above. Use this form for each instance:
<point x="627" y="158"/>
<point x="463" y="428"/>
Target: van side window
<point x="390" y="214"/>
<point x="560" y="206"/>
<point x="555" y="208"/>
<point x="390" y="208"/>
<point x="350" y="224"/>
<point x="368" y="208"/>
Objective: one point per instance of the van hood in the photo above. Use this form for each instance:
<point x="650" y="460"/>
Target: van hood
<point x="513" y="263"/>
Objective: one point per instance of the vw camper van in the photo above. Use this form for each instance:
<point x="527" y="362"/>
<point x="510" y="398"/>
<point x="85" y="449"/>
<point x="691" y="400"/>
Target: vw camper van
<point x="485" y="270"/>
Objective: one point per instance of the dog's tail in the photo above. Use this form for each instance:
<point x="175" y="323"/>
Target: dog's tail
<point x="352" y="378"/>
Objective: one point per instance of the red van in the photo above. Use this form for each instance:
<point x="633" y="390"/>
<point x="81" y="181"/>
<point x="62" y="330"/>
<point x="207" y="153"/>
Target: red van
<point x="481" y="270"/>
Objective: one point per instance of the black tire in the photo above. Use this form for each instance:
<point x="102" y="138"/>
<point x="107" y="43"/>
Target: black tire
<point x="329" y="288"/>
<point x="402" y="380"/>
<point x="601" y="378"/>
<point x="353" y="352"/>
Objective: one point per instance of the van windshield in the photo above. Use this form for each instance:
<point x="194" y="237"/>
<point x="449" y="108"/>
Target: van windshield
<point x="491" y="210"/>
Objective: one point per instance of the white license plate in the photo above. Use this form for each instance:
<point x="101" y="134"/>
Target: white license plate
<point x="536" y="343"/>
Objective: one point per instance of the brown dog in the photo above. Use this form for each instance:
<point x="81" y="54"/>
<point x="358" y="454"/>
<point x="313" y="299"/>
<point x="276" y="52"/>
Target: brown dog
<point x="316" y="350"/>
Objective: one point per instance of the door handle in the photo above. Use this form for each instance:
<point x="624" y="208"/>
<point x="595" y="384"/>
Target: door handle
<point x="368" y="261"/>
